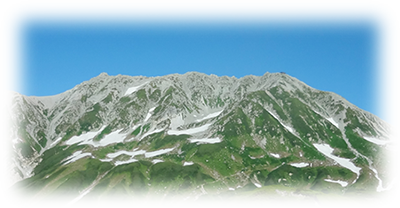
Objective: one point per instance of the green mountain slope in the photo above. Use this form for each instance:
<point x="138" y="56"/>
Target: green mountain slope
<point x="196" y="135"/>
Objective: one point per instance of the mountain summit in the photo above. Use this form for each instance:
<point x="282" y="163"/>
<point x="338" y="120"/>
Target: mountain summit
<point x="197" y="135"/>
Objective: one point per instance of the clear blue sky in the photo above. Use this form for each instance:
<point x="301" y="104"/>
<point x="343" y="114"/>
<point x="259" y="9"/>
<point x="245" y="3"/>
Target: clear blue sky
<point x="338" y="58"/>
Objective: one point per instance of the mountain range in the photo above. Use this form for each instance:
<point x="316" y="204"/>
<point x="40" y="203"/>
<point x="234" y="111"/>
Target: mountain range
<point x="197" y="136"/>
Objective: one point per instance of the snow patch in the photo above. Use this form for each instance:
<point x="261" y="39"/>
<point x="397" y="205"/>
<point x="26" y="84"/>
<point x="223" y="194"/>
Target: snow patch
<point x="133" y="89"/>
<point x="55" y="142"/>
<point x="105" y="160"/>
<point x="124" y="152"/>
<point x="113" y="137"/>
<point x="327" y="151"/>
<point x="206" y="140"/>
<point x="329" y="119"/>
<point x="342" y="183"/>
<point x="131" y="160"/>
<point x="212" y="115"/>
<point x="151" y="132"/>
<point x="376" y="141"/>
<point x="299" y="165"/>
<point x="149" y="114"/>
<point x="257" y="184"/>
<point x="87" y="138"/>
<point x="76" y="156"/>
<point x="157" y="152"/>
<point x="188" y="163"/>
<point x="176" y="122"/>
<point x="157" y="161"/>
<point x="275" y="155"/>
<point x="83" y="138"/>
<point x="333" y="122"/>
<point x="189" y="131"/>
<point x="290" y="129"/>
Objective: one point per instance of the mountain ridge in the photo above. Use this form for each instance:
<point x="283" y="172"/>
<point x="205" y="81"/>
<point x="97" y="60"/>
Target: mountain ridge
<point x="269" y="118"/>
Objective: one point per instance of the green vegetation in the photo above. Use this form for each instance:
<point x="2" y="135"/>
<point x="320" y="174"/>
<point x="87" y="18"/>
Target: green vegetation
<point x="356" y="123"/>
<point x="168" y="141"/>
<point x="90" y="119"/>
<point x="306" y="178"/>
<point x="382" y="158"/>
<point x="90" y="200"/>
<point x="136" y="131"/>
<point x="141" y="95"/>
<point x="25" y="136"/>
<point x="52" y="158"/>
<point x="26" y="150"/>
<point x="166" y="172"/>
<point x="105" y="131"/>
<point x="108" y="99"/>
<point x="155" y="96"/>
<point x="124" y="99"/>
<point x="41" y="137"/>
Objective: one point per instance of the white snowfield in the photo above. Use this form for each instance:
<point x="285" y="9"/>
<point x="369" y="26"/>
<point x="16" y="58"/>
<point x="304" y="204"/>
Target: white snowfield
<point x="55" y="142"/>
<point x="134" y="89"/>
<point x="290" y="129"/>
<point x="155" y="161"/>
<point x="106" y="160"/>
<point x="327" y="150"/>
<point x="113" y="137"/>
<point x="124" y="152"/>
<point x="299" y="165"/>
<point x="212" y="115"/>
<point x="87" y="138"/>
<point x="329" y="119"/>
<point x="176" y="121"/>
<point x="376" y="141"/>
<point x="206" y="140"/>
<point x="157" y="152"/>
<point x="149" y="114"/>
<point x="133" y="154"/>
<point x="275" y="155"/>
<point x="342" y="183"/>
<point x="189" y="131"/>
<point x="83" y="138"/>
<point x="76" y="156"/>
<point x="125" y="161"/>
<point x="188" y="163"/>
<point x="333" y="122"/>
<point x="257" y="184"/>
